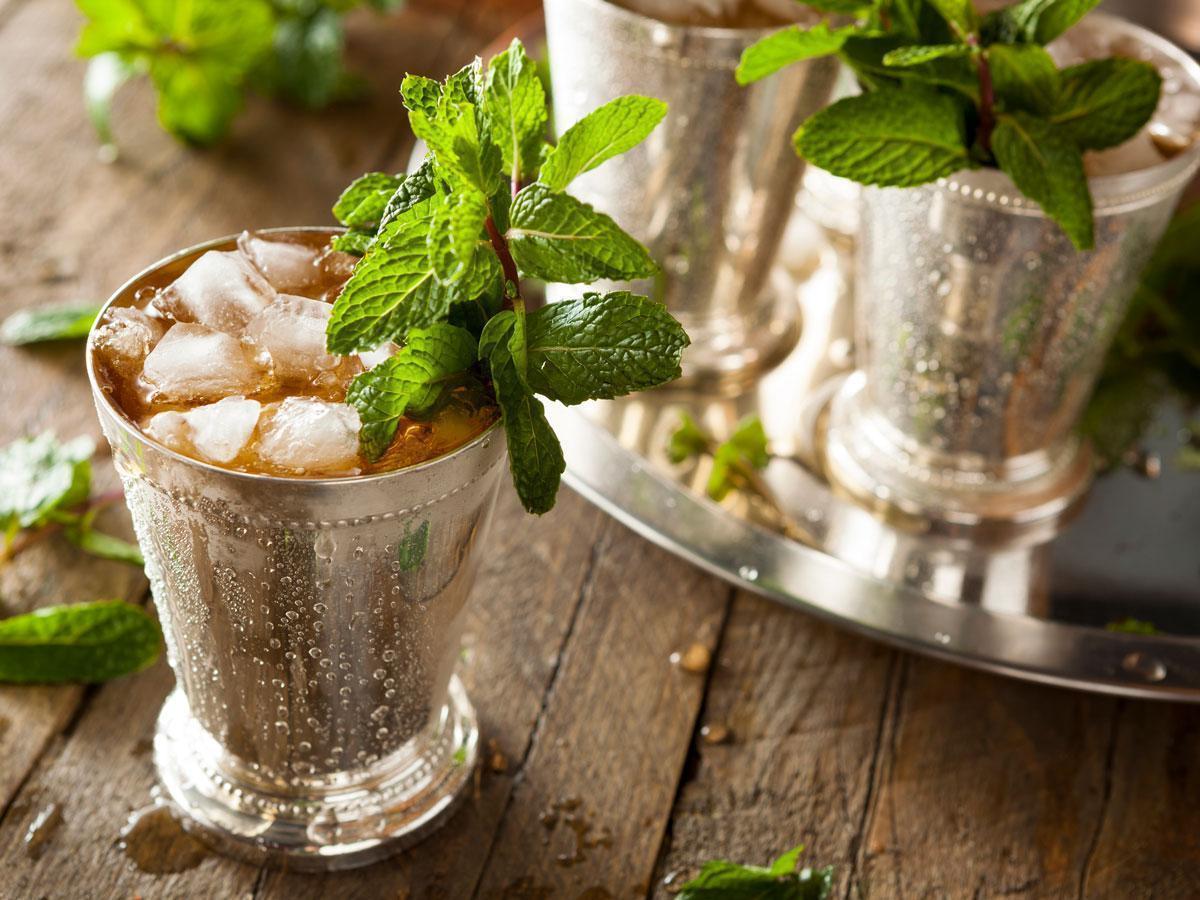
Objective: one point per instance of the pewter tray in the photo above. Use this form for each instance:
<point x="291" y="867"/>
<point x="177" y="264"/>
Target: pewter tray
<point x="1040" y="613"/>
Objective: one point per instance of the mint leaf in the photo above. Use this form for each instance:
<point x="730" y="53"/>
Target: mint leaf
<point x="865" y="55"/>
<point x="722" y="880"/>
<point x="412" y="547"/>
<point x="1105" y="102"/>
<point x="687" y="440"/>
<point x="1024" y="77"/>
<point x="605" y="132"/>
<point x="410" y="199"/>
<point x="770" y="54"/>
<point x="895" y="137"/>
<point x="960" y="15"/>
<point x="421" y="94"/>
<point x="534" y="453"/>
<point x="463" y="153"/>
<point x="49" y="323"/>
<point x="1130" y="625"/>
<point x="516" y="104"/>
<point x="558" y="238"/>
<point x="307" y="63"/>
<point x="750" y="441"/>
<point x="1046" y="168"/>
<point x="735" y="459"/>
<point x="601" y="346"/>
<point x="196" y="101"/>
<point x="1037" y="21"/>
<point x="105" y="74"/>
<point x="362" y="204"/>
<point x="394" y="288"/>
<point x="410" y="383"/>
<point x="921" y="53"/>
<point x="105" y="546"/>
<point x="354" y="241"/>
<point x="39" y="475"/>
<point x="83" y="642"/>
<point x="454" y="234"/>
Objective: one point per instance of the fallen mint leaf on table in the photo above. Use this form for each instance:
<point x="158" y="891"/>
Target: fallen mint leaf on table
<point x="49" y="323"/>
<point x="97" y="543"/>
<point x="722" y="880"/>
<point x="39" y="475"/>
<point x="83" y="643"/>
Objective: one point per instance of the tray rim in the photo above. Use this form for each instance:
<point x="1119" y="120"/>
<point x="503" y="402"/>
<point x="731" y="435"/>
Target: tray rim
<point x="1026" y="648"/>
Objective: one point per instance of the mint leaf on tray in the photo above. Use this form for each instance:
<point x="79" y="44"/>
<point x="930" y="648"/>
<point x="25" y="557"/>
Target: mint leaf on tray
<point x="83" y="642"/>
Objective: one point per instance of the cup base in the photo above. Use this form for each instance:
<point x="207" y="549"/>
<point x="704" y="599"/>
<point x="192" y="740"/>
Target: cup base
<point x="1027" y="504"/>
<point x="352" y="820"/>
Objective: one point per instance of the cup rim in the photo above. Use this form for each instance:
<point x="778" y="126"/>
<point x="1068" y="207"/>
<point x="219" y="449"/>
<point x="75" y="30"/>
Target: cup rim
<point x="131" y="430"/>
<point x="717" y="34"/>
<point x="1110" y="193"/>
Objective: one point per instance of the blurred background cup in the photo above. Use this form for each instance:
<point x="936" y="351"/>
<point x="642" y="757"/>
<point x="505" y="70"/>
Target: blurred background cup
<point x="313" y="627"/>
<point x="711" y="190"/>
<point x="981" y="330"/>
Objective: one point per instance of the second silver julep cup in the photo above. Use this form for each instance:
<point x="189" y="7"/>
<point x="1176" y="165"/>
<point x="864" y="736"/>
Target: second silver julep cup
<point x="313" y="626"/>
<point x="710" y="191"/>
<point x="981" y="331"/>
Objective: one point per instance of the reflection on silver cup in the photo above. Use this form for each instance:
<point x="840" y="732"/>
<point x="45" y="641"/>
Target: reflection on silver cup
<point x="313" y="627"/>
<point x="712" y="189"/>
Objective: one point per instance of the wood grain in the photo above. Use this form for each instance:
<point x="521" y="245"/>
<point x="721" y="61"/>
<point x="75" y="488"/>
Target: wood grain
<point x="593" y="796"/>
<point x="803" y="706"/>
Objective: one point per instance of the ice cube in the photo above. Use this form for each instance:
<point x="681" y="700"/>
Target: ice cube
<point x="220" y="430"/>
<point x="309" y="436"/>
<point x="292" y="332"/>
<point x="371" y="358"/>
<point x="193" y="362"/>
<point x="221" y="290"/>
<point x="290" y="268"/>
<point x="169" y="428"/>
<point x="216" y="432"/>
<point x="127" y="335"/>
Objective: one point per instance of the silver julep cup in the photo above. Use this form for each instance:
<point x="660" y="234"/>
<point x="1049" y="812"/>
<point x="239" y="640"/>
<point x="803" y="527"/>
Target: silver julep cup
<point x="980" y="334"/>
<point x="710" y="191"/>
<point x="313" y="626"/>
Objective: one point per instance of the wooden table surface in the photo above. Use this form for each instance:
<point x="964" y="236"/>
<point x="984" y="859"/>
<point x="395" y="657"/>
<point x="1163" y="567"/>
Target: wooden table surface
<point x="913" y="778"/>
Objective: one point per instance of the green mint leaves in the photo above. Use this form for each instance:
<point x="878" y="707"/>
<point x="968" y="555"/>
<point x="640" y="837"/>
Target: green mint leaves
<point x="782" y="880"/>
<point x="82" y="642"/>
<point x="607" y="131"/>
<point x="555" y="237"/>
<point x="945" y="90"/>
<point x="203" y="56"/>
<point x="735" y="461"/>
<point x="71" y="321"/>
<point x="411" y="383"/>
<point x="444" y="250"/>
<point x="889" y="137"/>
<point x="45" y="483"/>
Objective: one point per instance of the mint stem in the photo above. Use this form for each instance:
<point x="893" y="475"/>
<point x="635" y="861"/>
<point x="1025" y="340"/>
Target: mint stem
<point x="507" y="263"/>
<point x="987" y="102"/>
<point x="26" y="539"/>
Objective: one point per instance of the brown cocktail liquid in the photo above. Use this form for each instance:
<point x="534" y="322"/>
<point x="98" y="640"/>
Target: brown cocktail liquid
<point x="220" y="356"/>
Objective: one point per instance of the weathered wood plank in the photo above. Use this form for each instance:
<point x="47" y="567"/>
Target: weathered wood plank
<point x="986" y="787"/>
<point x="803" y="706"/>
<point x="593" y="795"/>
<point x="528" y="589"/>
<point x="1147" y="839"/>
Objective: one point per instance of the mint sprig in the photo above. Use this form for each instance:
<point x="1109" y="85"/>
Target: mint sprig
<point x="204" y="56"/>
<point x="443" y="259"/>
<point x="782" y="880"/>
<point x="945" y="89"/>
<point x="37" y="325"/>
<point x="81" y="643"/>
<point x="45" y="486"/>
